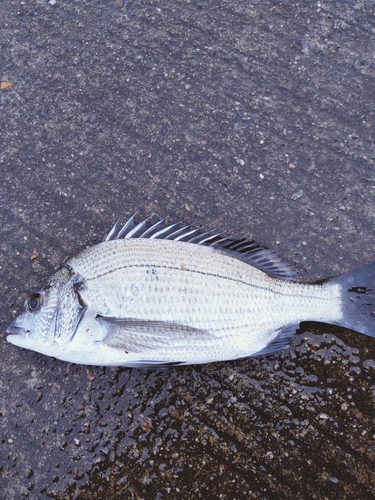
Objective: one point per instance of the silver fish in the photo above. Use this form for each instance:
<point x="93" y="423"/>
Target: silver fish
<point x="159" y="295"/>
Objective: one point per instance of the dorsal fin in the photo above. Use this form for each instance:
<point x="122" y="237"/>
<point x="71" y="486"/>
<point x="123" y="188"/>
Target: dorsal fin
<point x="246" y="250"/>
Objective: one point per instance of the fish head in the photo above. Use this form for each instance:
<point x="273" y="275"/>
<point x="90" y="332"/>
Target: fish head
<point x="51" y="316"/>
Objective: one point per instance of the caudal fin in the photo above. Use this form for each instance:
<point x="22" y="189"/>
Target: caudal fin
<point x="358" y="299"/>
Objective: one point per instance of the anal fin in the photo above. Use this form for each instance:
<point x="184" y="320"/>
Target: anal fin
<point x="280" y="342"/>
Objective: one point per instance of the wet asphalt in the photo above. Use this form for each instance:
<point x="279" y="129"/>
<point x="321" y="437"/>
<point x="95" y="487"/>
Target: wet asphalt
<point x="252" y="117"/>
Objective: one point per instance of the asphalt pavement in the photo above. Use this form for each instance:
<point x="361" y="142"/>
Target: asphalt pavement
<point x="252" y="117"/>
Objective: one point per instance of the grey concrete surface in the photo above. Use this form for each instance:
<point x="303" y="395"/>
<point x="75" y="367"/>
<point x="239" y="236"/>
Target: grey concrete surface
<point x="254" y="117"/>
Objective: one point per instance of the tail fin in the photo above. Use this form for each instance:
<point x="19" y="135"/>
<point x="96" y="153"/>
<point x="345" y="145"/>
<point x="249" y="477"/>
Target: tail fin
<point x="358" y="299"/>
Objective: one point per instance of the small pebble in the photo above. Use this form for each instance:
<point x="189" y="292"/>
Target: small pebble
<point x="34" y="254"/>
<point x="297" y="195"/>
<point x="5" y="85"/>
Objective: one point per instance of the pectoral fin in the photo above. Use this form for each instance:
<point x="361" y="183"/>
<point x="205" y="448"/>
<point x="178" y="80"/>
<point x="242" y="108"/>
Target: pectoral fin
<point x="135" y="335"/>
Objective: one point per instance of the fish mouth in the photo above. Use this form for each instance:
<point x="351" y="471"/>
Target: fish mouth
<point x="15" y="330"/>
<point x="23" y="337"/>
<point x="19" y="336"/>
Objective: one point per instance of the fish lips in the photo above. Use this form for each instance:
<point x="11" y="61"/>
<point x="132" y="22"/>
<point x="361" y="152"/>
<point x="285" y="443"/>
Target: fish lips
<point x="17" y="333"/>
<point x="20" y="337"/>
<point x="15" y="329"/>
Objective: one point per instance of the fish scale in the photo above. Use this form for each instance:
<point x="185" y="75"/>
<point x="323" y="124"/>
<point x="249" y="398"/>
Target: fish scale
<point x="219" y="294"/>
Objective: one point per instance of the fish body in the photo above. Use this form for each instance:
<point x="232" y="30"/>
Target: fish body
<point x="159" y="295"/>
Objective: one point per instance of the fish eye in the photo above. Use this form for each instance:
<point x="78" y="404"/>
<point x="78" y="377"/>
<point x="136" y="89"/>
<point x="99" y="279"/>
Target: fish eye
<point x="34" y="302"/>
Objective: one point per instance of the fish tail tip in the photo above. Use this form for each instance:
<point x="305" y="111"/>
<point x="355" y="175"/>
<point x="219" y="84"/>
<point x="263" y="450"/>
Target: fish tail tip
<point x="358" y="299"/>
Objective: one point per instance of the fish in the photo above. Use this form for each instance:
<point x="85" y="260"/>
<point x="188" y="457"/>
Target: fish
<point x="153" y="295"/>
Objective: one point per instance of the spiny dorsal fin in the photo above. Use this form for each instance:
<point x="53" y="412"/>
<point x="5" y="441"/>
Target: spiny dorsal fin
<point x="246" y="250"/>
